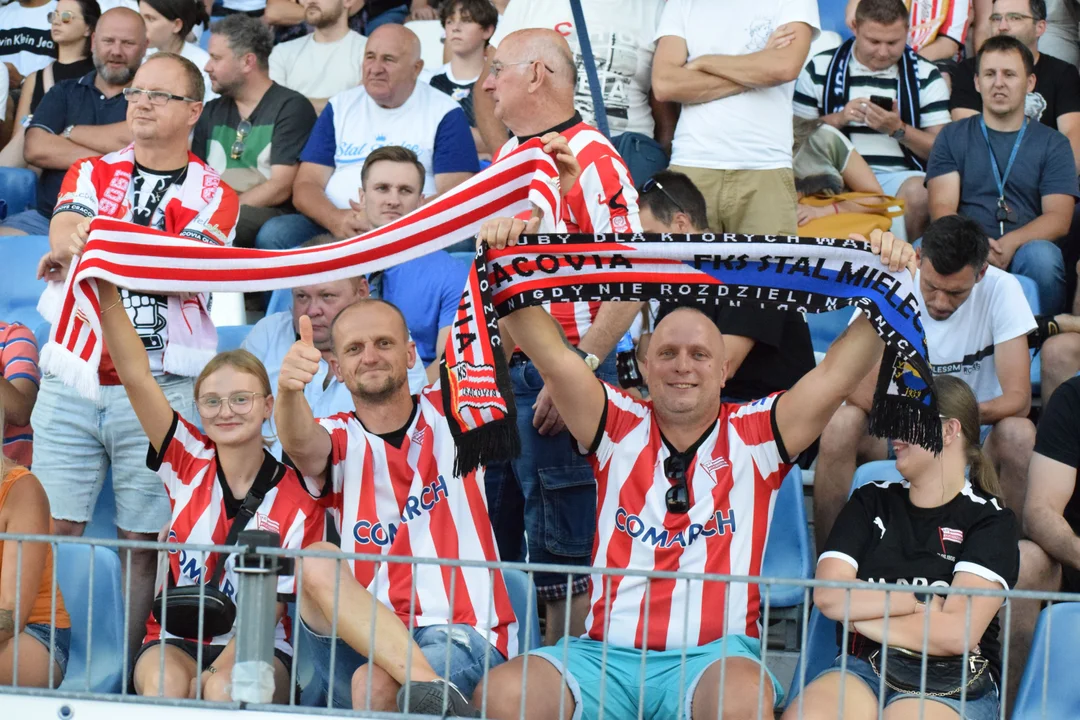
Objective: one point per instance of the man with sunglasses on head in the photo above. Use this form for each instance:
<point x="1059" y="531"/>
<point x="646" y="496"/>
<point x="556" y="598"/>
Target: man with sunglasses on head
<point x="82" y="118"/>
<point x="684" y="481"/>
<point x="157" y="183"/>
<point x="531" y="82"/>
<point x="253" y="133"/>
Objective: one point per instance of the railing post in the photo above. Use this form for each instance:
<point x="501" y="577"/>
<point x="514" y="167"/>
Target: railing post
<point x="256" y="617"/>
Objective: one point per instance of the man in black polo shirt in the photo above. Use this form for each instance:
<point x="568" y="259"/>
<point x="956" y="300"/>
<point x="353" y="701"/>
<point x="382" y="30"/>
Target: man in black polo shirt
<point x="82" y="118"/>
<point x="1055" y="102"/>
<point x="767" y="350"/>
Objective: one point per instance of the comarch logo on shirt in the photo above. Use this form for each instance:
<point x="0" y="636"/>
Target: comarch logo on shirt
<point x="193" y="570"/>
<point x="718" y="524"/>
<point x="365" y="532"/>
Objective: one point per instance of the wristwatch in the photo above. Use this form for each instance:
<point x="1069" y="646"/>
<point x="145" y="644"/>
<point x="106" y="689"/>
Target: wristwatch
<point x="590" y="360"/>
<point x="899" y="133"/>
<point x="67" y="131"/>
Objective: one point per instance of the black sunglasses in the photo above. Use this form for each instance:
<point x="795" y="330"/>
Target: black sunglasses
<point x="678" y="495"/>
<point x="652" y="184"/>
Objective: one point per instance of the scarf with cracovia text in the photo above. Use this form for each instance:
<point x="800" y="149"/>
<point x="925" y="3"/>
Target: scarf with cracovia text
<point x="809" y="274"/>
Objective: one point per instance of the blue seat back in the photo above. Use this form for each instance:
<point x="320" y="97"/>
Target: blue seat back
<point x="18" y="189"/>
<point x="21" y="288"/>
<point x="96" y="662"/>
<point x="832" y="13"/>
<point x="1057" y="634"/>
<point x="819" y="653"/>
<point x="230" y="337"/>
<point x="520" y="587"/>
<point x="788" y="551"/>
<point x="877" y="471"/>
<point x="826" y="327"/>
<point x="280" y="301"/>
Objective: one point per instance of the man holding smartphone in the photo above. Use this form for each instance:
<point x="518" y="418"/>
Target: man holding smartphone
<point x="888" y="101"/>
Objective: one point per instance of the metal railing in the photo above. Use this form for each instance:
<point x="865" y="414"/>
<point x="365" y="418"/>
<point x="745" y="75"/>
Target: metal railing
<point x="255" y="628"/>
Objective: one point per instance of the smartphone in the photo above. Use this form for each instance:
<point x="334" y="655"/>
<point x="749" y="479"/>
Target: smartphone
<point x="882" y="102"/>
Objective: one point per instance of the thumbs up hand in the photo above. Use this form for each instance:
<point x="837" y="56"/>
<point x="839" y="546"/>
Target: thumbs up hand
<point x="301" y="363"/>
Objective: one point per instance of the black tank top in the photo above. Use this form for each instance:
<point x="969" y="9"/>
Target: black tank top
<point x="61" y="71"/>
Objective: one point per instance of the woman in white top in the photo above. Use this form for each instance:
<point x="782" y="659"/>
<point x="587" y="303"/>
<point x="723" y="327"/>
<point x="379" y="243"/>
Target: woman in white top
<point x="168" y="22"/>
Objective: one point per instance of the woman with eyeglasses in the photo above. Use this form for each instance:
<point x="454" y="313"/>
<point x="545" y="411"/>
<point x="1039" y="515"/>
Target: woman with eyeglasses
<point x="214" y="478"/>
<point x="168" y="23"/>
<point x="71" y="25"/>
<point x="938" y="528"/>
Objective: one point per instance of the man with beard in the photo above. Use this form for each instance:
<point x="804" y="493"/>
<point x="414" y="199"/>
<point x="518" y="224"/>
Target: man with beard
<point x="82" y="118"/>
<point x="327" y="61"/>
<point x="386" y="473"/>
<point x="253" y="133"/>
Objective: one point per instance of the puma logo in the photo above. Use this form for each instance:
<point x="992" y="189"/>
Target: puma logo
<point x="614" y="203"/>
<point x="877" y="521"/>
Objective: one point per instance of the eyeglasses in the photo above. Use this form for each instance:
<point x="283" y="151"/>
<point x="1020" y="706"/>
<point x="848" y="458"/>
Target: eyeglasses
<point x="678" y="495"/>
<point x="1011" y="17"/>
<point x="652" y="184"/>
<point x="242" y="131"/>
<point x="64" y="17"/>
<point x="497" y="67"/>
<point x="240" y="402"/>
<point x="158" y="98"/>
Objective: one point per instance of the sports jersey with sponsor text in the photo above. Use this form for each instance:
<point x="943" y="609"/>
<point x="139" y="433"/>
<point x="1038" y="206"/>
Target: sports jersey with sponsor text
<point x="603" y="201"/>
<point x="203" y="508"/>
<point x="396" y="495"/>
<point x="889" y="540"/>
<point x="732" y="476"/>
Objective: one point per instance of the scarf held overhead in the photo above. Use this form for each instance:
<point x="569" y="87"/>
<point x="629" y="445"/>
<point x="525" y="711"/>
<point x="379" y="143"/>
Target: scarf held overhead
<point x="785" y="273"/>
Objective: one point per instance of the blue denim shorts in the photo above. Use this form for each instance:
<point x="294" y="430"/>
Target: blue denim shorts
<point x="464" y="650"/>
<point x="985" y="708"/>
<point x="670" y="679"/>
<point x="30" y="222"/>
<point x="61" y="647"/>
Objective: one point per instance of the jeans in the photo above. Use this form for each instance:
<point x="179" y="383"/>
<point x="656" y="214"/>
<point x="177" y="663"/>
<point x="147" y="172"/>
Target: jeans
<point x="286" y="231"/>
<point x="459" y="645"/>
<point x="76" y="440"/>
<point x="556" y="482"/>
<point x="1042" y="261"/>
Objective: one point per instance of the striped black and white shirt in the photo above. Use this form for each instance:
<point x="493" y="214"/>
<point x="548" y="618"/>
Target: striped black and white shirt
<point x="880" y="151"/>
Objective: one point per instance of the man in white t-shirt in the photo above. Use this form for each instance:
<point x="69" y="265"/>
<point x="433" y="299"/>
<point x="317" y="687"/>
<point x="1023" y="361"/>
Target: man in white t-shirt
<point x="732" y="64"/>
<point x="622" y="35"/>
<point x="977" y="322"/>
<point x="324" y="63"/>
<point x="26" y="43"/>
<point x="390" y="108"/>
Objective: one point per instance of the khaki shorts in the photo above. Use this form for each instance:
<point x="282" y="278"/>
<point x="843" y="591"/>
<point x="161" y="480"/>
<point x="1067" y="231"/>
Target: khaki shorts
<point x="759" y="202"/>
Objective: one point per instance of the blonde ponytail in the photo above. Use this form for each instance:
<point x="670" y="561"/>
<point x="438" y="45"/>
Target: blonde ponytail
<point x="956" y="400"/>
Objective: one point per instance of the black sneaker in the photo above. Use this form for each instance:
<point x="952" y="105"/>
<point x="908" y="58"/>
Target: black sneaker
<point x="427" y="698"/>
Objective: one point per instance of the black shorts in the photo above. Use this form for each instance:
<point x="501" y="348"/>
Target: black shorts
<point x="210" y="653"/>
<point x="1070" y="579"/>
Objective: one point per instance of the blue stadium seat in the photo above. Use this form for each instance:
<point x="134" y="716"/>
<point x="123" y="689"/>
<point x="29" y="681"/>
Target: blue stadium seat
<point x="788" y="551"/>
<point x="18" y="189"/>
<point x="231" y="336"/>
<point x="877" y="471"/>
<point x="826" y="327"/>
<point x="21" y="288"/>
<point x="1061" y="623"/>
<point x="520" y="586"/>
<point x="832" y="16"/>
<point x="101" y="672"/>
<point x="280" y="301"/>
<point x="820" y="651"/>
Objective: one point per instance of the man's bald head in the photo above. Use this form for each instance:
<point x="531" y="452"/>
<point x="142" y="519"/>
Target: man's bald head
<point x="686" y="367"/>
<point x="392" y="64"/>
<point x="398" y="37"/>
<point x="532" y="81"/>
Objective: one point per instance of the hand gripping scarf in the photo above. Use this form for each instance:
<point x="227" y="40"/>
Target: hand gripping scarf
<point x="811" y="274"/>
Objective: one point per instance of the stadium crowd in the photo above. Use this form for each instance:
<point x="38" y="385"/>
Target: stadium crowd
<point x="946" y="135"/>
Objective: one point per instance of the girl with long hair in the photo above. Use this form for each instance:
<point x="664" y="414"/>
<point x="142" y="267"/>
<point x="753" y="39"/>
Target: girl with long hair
<point x="168" y="24"/>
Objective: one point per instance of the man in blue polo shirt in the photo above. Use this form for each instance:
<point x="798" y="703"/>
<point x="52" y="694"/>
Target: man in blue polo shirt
<point x="82" y="118"/>
<point x="390" y="108"/>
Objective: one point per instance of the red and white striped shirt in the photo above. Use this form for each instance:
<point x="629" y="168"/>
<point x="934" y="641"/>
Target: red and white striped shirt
<point x="406" y="501"/>
<point x="931" y="19"/>
<point x="187" y="464"/>
<point x="733" y="479"/>
<point x="603" y="201"/>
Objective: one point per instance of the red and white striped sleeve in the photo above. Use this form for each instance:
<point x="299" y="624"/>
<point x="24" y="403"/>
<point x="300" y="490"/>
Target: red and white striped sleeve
<point x="757" y="436"/>
<point x="955" y="24"/>
<point x="622" y="414"/>
<point x="216" y="222"/>
<point x="78" y="191"/>
<point x="183" y="457"/>
<point x="337" y="426"/>
<point x="604" y="199"/>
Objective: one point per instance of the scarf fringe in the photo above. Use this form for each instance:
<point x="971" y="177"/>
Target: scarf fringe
<point x="908" y="422"/>
<point x="493" y="442"/>
<point x="72" y="370"/>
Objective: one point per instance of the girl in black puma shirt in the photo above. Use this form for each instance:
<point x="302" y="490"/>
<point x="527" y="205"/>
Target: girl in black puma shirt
<point x="935" y="528"/>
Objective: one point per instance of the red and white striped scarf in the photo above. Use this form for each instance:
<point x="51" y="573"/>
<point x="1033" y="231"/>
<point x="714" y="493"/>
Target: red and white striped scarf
<point x="145" y="260"/>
